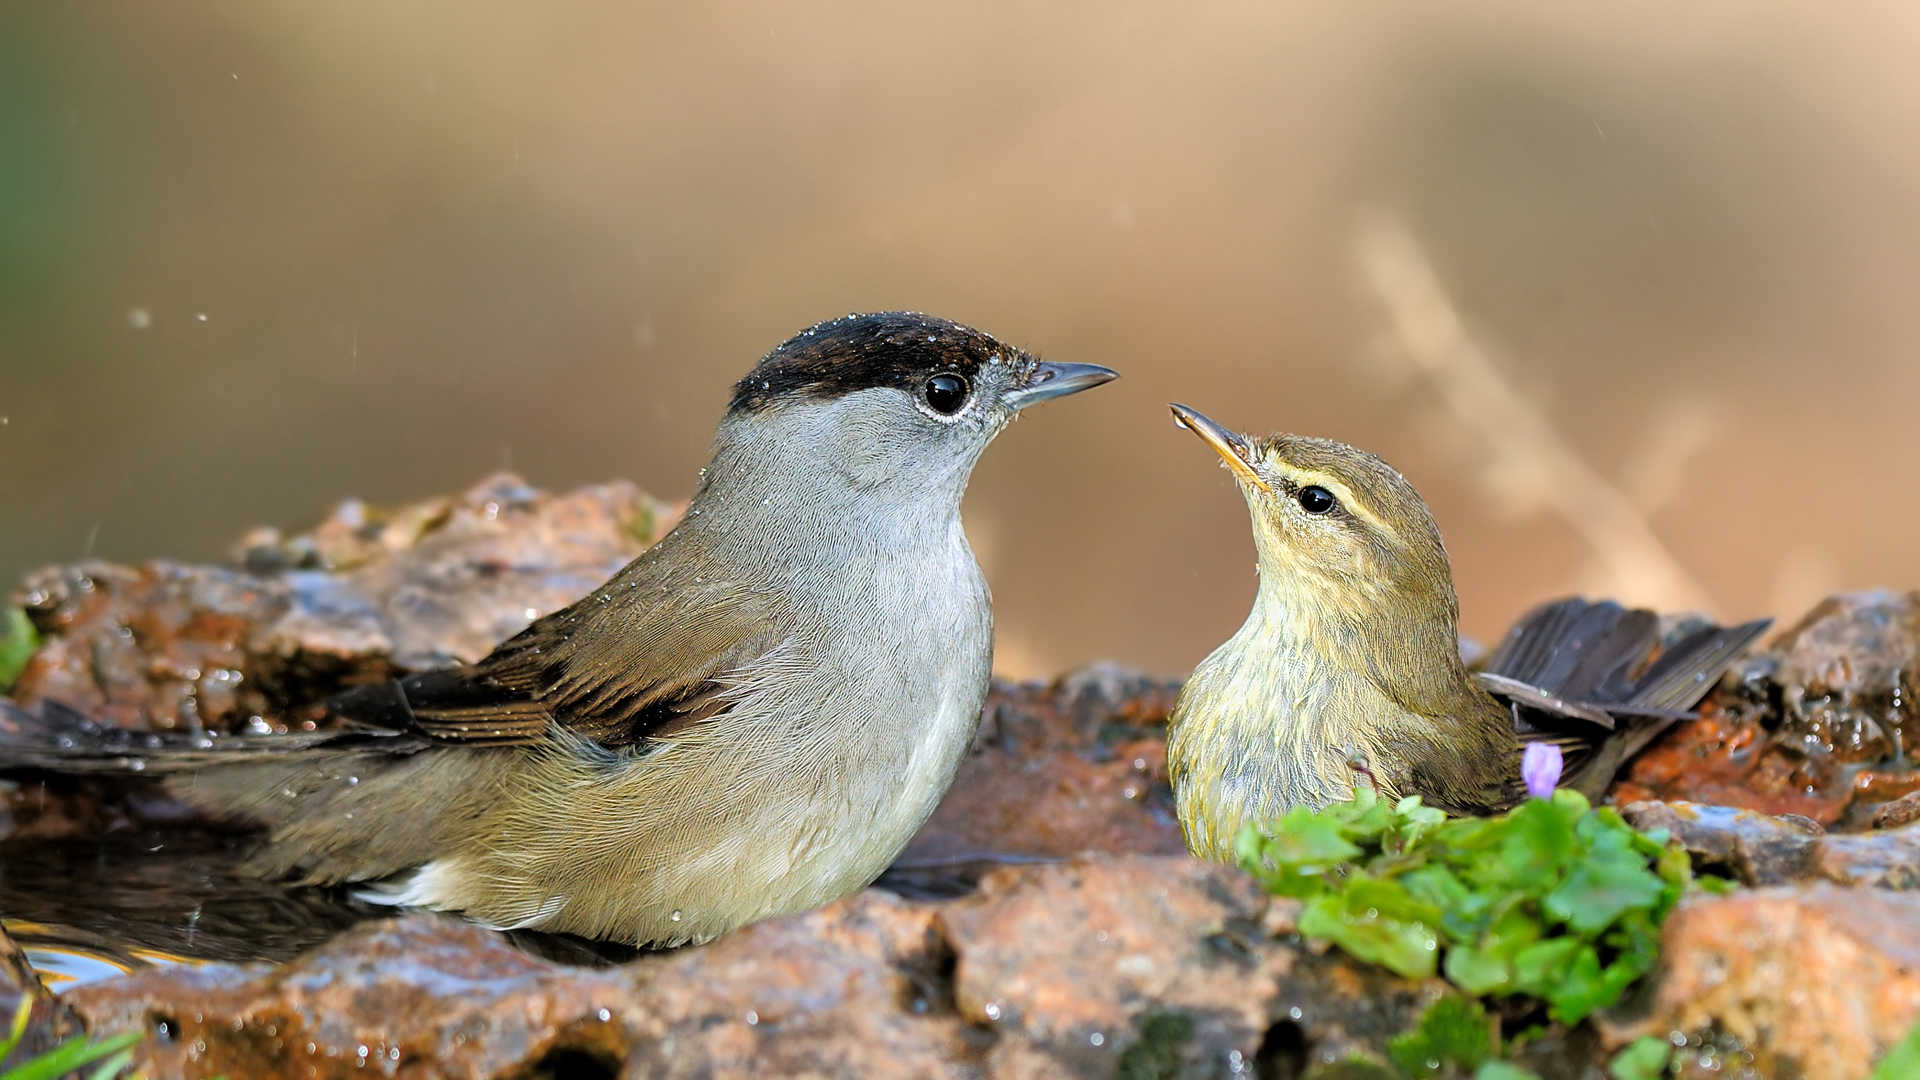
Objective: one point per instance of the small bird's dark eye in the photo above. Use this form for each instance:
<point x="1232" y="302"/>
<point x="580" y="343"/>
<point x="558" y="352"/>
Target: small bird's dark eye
<point x="946" y="392"/>
<point x="1315" y="499"/>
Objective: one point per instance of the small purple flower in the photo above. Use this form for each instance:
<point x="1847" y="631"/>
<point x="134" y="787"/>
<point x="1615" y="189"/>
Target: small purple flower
<point x="1540" y="767"/>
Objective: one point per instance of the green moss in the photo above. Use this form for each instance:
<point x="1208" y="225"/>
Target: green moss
<point x="1453" y="1031"/>
<point x="1160" y="1051"/>
<point x="1352" y="1068"/>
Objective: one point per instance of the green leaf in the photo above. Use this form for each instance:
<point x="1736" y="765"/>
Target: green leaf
<point x="1366" y="819"/>
<point x="1555" y="899"/>
<point x="1387" y="897"/>
<point x="1635" y="942"/>
<point x="1407" y="947"/>
<point x="1573" y="804"/>
<point x="22" y="1015"/>
<point x="112" y="1067"/>
<point x="1436" y="885"/>
<point x="1306" y="839"/>
<point x="1541" y="966"/>
<point x="1587" y="986"/>
<point x="1675" y="867"/>
<point x="1412" y="821"/>
<point x="1902" y="1061"/>
<point x="1477" y="970"/>
<point x="18" y="642"/>
<point x="1486" y="964"/>
<point x="1503" y="1070"/>
<point x="1646" y="1058"/>
<point x="1597" y="892"/>
<point x="1539" y="844"/>
<point x="1463" y="912"/>
<point x="69" y="1056"/>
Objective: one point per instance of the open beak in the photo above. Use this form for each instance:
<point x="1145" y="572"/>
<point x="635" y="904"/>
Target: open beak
<point x="1050" y="381"/>
<point x="1232" y="448"/>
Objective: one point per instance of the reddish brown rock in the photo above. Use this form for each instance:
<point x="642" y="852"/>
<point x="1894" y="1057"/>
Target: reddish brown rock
<point x="1141" y="966"/>
<point x="1073" y="766"/>
<point x="1728" y="757"/>
<point x="1814" y="981"/>
<point x="1898" y="812"/>
<point x="1813" y="727"/>
<point x="161" y="647"/>
<point x="860" y="988"/>
<point x="1086" y="968"/>
<point x="853" y="990"/>
<point x="445" y="581"/>
<point x="166" y="646"/>
<point x="1196" y="973"/>
<point x="1074" y="957"/>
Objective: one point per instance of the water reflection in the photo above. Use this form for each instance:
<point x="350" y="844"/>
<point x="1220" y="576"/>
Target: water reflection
<point x="88" y="908"/>
<point x="99" y="907"/>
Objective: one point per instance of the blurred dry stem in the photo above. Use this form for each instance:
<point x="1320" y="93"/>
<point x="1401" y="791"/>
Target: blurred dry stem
<point x="1524" y="461"/>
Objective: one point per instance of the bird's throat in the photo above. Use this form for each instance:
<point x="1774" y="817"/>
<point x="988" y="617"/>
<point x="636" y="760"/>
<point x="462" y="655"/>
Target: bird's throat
<point x="1272" y="720"/>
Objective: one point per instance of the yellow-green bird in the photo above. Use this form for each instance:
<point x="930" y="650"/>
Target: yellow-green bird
<point x="1348" y="669"/>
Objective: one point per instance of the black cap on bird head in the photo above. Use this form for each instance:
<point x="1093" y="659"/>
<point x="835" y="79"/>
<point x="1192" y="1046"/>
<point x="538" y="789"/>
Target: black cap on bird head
<point x="861" y="352"/>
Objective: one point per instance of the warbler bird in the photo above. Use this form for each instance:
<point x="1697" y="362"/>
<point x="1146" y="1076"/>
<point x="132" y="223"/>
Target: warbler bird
<point x="1348" y="668"/>
<point x="752" y="718"/>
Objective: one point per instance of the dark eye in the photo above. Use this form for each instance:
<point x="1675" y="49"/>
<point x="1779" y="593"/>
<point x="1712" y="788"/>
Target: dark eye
<point x="946" y="392"/>
<point x="1316" y="499"/>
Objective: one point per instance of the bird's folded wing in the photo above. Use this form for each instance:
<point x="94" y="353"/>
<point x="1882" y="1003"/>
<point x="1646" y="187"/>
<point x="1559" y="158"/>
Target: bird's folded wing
<point x="1575" y="650"/>
<point x="635" y="659"/>
<point x="648" y="652"/>
<point x="1687" y="669"/>
<point x="1581" y="660"/>
<point x="1502" y="686"/>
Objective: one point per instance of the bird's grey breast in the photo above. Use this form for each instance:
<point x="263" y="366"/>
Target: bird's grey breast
<point x="888" y="623"/>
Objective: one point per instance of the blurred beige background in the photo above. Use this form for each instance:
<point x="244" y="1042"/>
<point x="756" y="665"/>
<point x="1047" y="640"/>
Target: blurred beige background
<point x="257" y="257"/>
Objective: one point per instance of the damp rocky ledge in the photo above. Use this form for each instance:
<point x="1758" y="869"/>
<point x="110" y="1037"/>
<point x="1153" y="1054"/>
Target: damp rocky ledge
<point x="1044" y="924"/>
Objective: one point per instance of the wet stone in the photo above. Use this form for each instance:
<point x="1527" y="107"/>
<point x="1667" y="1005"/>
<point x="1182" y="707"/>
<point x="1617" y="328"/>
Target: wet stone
<point x="165" y="646"/>
<point x="1758" y="849"/>
<point x="1814" y="981"/>
<point x="1888" y="859"/>
<point x="1898" y="812"/>
<point x="382" y="998"/>
<point x="1096" y="967"/>
<point x="1817" y="725"/>
<point x="1085" y="959"/>
<point x="1753" y="847"/>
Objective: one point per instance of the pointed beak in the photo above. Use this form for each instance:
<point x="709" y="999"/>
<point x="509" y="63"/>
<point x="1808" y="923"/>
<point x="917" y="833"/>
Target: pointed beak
<point x="1050" y="381"/>
<point x="1231" y="447"/>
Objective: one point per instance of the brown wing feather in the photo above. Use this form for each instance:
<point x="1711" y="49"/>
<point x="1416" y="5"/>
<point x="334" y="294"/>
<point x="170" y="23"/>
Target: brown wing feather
<point x="644" y="654"/>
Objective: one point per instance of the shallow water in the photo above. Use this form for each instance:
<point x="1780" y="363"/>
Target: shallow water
<point x="86" y="909"/>
<point x="91" y="909"/>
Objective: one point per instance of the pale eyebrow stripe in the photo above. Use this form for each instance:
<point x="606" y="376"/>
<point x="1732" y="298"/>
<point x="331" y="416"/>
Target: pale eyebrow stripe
<point x="1309" y="478"/>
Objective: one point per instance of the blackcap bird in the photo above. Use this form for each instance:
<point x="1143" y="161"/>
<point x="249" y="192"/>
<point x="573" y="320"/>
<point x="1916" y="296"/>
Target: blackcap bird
<point x="752" y="718"/>
<point x="1348" y="669"/>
